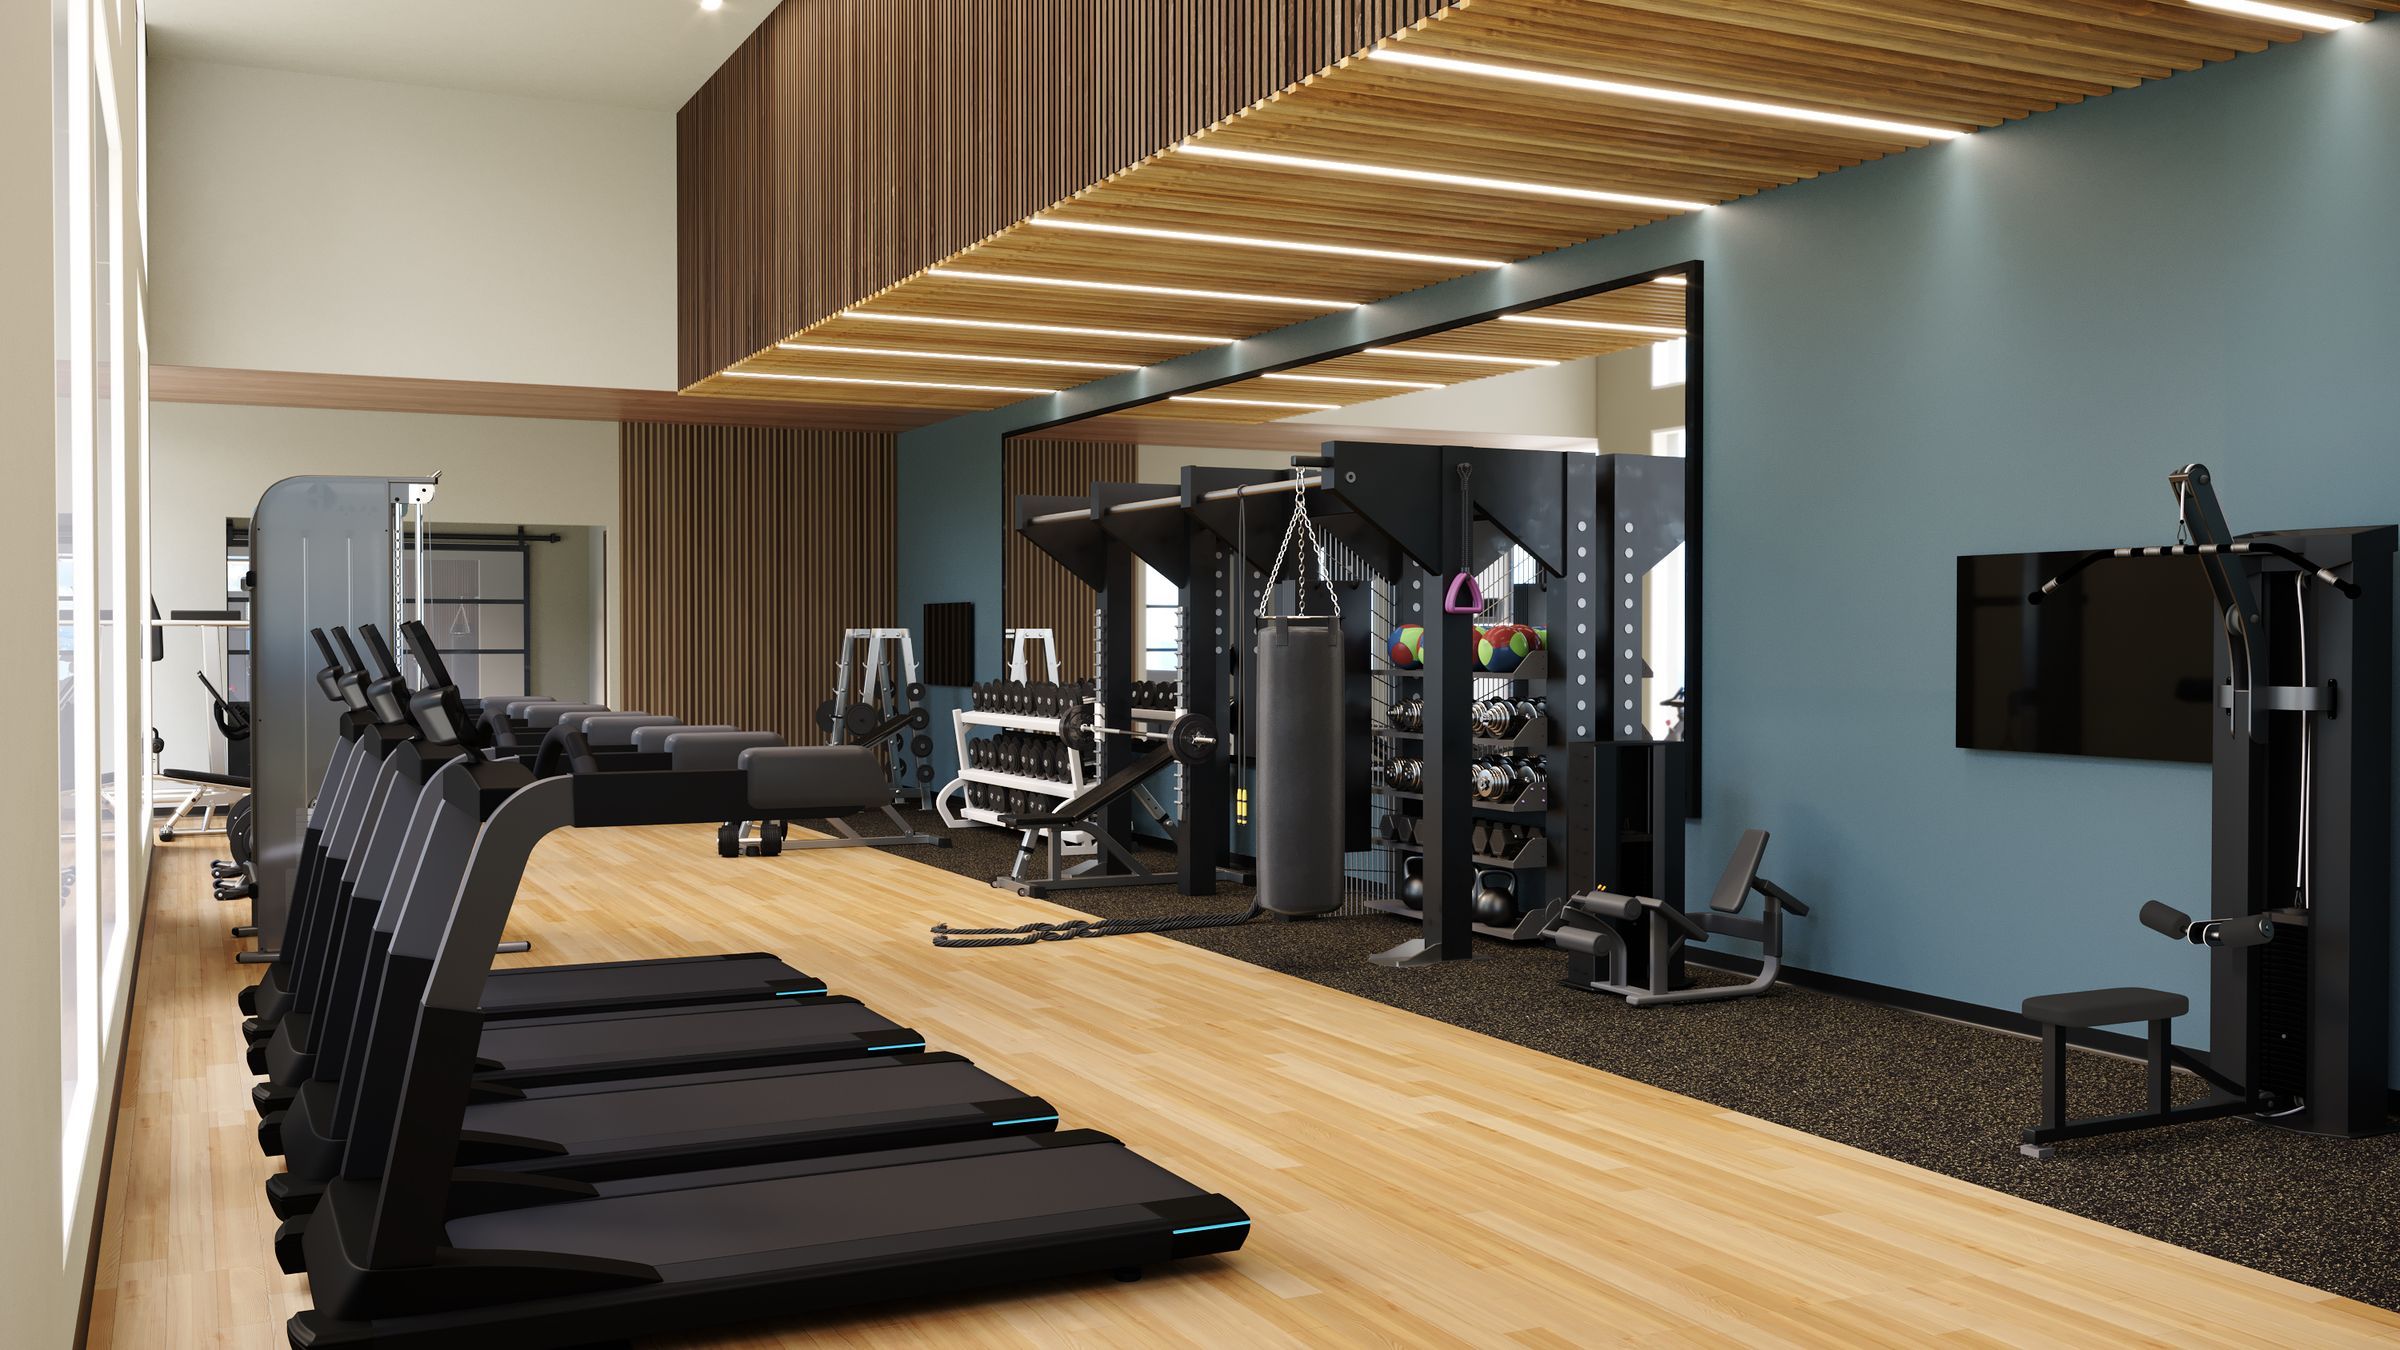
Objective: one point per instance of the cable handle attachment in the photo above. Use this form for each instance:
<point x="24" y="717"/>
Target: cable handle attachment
<point x="1465" y="595"/>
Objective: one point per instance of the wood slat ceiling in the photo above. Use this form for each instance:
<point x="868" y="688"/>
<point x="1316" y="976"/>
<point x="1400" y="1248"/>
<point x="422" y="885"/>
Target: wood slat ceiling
<point x="1942" y="67"/>
<point x="1545" y="335"/>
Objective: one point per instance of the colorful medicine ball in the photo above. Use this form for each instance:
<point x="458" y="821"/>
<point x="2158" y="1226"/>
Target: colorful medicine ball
<point x="1408" y="646"/>
<point x="1504" y="646"/>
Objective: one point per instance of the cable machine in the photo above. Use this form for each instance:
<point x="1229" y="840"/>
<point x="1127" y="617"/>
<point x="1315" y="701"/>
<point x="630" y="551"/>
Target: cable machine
<point x="2299" y="924"/>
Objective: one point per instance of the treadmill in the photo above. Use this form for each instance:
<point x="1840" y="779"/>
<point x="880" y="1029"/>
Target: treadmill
<point x="588" y="1046"/>
<point x="622" y="1129"/>
<point x="529" y="991"/>
<point x="423" y="1255"/>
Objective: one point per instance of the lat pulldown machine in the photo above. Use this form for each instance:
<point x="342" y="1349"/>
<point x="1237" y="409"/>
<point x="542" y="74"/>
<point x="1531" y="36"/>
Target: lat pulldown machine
<point x="2299" y="933"/>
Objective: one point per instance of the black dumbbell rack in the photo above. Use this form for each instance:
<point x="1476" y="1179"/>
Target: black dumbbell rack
<point x="1529" y="861"/>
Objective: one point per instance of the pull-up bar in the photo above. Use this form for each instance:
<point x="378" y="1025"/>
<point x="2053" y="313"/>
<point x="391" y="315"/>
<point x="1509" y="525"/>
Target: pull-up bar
<point x="1169" y="503"/>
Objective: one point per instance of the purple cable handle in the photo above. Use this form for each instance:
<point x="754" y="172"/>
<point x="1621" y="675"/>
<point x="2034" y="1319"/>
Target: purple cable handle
<point x="1472" y="604"/>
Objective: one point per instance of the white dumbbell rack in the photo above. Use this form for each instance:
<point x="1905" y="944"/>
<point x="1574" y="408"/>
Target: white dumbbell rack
<point x="951" y="802"/>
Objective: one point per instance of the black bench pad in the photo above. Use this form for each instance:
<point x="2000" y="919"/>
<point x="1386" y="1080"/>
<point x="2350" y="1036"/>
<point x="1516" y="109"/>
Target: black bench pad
<point x="2106" y="1007"/>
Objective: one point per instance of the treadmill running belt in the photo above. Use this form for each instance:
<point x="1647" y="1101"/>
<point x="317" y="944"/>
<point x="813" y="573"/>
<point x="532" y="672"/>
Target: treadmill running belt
<point x="686" y="1111"/>
<point x="755" y="1224"/>
<point x="522" y="991"/>
<point x="611" y="1045"/>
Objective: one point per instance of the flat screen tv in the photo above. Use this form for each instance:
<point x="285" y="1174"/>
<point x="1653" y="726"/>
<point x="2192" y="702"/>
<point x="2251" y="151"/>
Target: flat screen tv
<point x="2117" y="662"/>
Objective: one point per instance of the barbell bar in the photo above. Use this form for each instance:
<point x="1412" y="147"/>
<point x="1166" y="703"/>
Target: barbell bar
<point x="1191" y="738"/>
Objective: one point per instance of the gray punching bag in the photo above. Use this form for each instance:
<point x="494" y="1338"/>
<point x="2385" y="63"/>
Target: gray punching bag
<point x="1297" y="736"/>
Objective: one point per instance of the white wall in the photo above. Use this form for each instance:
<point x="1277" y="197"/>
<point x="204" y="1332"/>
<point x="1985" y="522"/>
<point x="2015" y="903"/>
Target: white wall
<point x="31" y="1283"/>
<point x="212" y="462"/>
<point x="1546" y="401"/>
<point x="1629" y="409"/>
<point x="312" y="222"/>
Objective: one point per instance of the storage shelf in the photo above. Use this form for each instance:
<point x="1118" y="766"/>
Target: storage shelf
<point x="1534" y="735"/>
<point x="1012" y="721"/>
<point x="1531" y="802"/>
<point x="1533" y="857"/>
<point x="1527" y="928"/>
<point x="1534" y="667"/>
<point x="1047" y="787"/>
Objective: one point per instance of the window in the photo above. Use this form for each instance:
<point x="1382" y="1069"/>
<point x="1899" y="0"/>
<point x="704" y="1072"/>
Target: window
<point x="1162" y="625"/>
<point x="1667" y="442"/>
<point x="1666" y="362"/>
<point x="477" y="608"/>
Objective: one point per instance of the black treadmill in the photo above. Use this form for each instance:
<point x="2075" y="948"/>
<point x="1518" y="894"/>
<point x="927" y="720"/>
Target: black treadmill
<point x="423" y="1255"/>
<point x="611" y="1129"/>
<point x="371" y="785"/>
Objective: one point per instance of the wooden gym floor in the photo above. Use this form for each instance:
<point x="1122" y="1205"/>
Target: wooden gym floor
<point x="1413" y="1183"/>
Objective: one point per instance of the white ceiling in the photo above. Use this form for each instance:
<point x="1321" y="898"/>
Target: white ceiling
<point x="643" y="53"/>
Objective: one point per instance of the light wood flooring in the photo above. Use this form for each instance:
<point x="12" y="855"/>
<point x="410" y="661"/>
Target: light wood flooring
<point x="1412" y="1183"/>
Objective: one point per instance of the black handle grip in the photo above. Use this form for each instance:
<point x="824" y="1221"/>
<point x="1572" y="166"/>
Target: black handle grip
<point x="350" y="663"/>
<point x="2250" y="930"/>
<point x="420" y="644"/>
<point x="564" y="750"/>
<point x="324" y="648"/>
<point x="385" y="667"/>
<point x="2166" y="919"/>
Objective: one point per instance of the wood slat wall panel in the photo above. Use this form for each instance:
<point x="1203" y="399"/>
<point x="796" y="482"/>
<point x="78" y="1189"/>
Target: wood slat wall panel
<point x="1035" y="591"/>
<point x="849" y="143"/>
<point x="747" y="551"/>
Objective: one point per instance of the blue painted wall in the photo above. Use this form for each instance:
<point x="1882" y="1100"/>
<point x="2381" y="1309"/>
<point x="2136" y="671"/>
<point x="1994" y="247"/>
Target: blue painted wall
<point x="949" y="514"/>
<point x="1998" y="344"/>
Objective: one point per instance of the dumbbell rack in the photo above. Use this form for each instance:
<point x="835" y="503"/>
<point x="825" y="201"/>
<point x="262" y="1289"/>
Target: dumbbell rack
<point x="1530" y="805"/>
<point x="951" y="801"/>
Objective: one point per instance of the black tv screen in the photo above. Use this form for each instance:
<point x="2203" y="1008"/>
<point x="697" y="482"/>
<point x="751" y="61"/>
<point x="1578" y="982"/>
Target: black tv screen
<point x="2118" y="661"/>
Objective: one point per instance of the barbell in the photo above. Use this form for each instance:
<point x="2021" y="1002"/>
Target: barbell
<point x="1191" y="738"/>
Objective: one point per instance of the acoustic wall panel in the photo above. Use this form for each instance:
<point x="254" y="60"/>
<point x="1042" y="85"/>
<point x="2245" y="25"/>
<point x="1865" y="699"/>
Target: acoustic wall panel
<point x="747" y="551"/>
<point x="1035" y="591"/>
<point x="849" y="143"/>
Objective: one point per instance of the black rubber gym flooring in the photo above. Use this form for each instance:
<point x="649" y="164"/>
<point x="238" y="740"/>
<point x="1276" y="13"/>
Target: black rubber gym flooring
<point x="1942" y="1095"/>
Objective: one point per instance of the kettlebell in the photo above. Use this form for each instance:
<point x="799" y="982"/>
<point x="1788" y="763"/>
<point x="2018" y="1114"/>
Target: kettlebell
<point x="1495" y="903"/>
<point x="1412" y="881"/>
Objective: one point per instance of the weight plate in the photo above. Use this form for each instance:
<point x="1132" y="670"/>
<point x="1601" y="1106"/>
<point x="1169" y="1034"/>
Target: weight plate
<point x="1192" y="739"/>
<point x="920" y="745"/>
<point x="916" y="691"/>
<point x="825" y="715"/>
<point x="859" y="719"/>
<point x="919" y="719"/>
<point x="924" y="772"/>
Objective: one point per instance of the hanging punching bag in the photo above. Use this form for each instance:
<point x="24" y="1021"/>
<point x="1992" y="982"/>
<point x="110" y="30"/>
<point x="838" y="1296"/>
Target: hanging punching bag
<point x="1296" y="732"/>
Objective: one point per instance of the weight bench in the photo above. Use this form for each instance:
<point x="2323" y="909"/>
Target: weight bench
<point x="818" y="782"/>
<point x="2059" y="1013"/>
<point x="1589" y="926"/>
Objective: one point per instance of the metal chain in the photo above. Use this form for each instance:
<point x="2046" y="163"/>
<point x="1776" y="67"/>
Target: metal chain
<point x="1301" y="527"/>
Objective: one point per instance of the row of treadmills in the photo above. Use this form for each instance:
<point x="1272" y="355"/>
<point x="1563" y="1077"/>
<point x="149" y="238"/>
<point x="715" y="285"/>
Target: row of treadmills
<point x="582" y="1154"/>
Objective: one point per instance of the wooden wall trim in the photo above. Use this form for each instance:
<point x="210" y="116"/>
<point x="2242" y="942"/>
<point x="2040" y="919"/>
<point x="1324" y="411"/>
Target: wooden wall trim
<point x="849" y="143"/>
<point x="486" y="398"/>
<point x="747" y="551"/>
<point x="1035" y="592"/>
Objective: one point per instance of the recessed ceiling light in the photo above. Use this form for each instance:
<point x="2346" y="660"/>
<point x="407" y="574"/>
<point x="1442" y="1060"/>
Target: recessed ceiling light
<point x="1447" y="179"/>
<point x="1011" y="327"/>
<point x="956" y="356"/>
<point x="893" y="384"/>
<point x="1470" y="357"/>
<point x="1673" y="279"/>
<point x="1250" y="402"/>
<point x="2298" y="18"/>
<point x="1600" y="325"/>
<point x="1655" y="94"/>
<point x="712" y="6"/>
<point x="1353" y="379"/>
<point x="1259" y="241"/>
<point x="1138" y="288"/>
